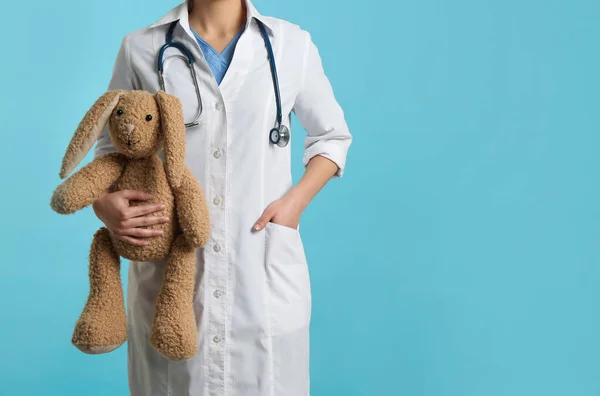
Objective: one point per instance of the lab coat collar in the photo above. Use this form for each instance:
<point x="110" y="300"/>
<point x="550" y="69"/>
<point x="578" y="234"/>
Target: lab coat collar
<point x="181" y="13"/>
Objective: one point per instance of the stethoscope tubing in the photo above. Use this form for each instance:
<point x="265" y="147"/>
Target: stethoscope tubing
<point x="279" y="135"/>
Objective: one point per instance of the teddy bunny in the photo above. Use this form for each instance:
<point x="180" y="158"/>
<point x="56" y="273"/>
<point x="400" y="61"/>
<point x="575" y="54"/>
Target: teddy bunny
<point x="139" y="124"/>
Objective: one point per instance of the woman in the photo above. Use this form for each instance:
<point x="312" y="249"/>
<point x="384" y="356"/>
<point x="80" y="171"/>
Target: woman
<point x="252" y="297"/>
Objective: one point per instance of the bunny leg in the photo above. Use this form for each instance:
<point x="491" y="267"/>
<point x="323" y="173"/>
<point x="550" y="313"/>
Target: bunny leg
<point x="174" y="326"/>
<point x="102" y="326"/>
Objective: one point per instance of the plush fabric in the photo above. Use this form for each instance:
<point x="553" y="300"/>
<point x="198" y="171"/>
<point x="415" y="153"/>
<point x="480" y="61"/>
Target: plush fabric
<point x="140" y="125"/>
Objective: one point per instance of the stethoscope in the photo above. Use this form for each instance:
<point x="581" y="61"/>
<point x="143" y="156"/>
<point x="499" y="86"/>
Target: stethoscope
<point x="279" y="135"/>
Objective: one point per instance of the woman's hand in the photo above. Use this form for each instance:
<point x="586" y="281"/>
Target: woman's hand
<point x="285" y="211"/>
<point x="123" y="220"/>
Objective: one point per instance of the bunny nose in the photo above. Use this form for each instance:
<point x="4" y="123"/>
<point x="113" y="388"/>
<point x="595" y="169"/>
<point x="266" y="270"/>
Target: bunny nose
<point x="130" y="128"/>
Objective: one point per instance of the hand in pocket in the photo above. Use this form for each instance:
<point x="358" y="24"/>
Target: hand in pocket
<point x="284" y="212"/>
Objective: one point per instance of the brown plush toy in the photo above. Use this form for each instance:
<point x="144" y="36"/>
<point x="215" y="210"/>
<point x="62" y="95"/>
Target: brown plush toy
<point x="140" y="124"/>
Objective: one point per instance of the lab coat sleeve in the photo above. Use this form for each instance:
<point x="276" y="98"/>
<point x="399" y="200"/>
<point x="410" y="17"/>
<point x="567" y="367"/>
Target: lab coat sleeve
<point x="320" y="114"/>
<point x="122" y="78"/>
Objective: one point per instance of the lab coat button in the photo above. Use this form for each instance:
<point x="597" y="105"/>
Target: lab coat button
<point x="218" y="293"/>
<point x="216" y="339"/>
<point x="217" y="200"/>
<point x="217" y="247"/>
<point x="217" y="153"/>
<point x="219" y="106"/>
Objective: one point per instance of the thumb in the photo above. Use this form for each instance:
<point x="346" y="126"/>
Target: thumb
<point x="136" y="195"/>
<point x="264" y="218"/>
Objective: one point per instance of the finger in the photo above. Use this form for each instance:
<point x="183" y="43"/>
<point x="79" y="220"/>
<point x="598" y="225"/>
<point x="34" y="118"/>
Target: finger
<point x="141" y="210"/>
<point x="136" y="195"/>
<point x="141" y="232"/>
<point x="132" y="241"/>
<point x="267" y="215"/>
<point x="143" y="221"/>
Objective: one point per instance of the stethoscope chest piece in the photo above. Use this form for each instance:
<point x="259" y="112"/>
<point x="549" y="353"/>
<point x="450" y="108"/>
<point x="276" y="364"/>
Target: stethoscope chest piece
<point x="280" y="136"/>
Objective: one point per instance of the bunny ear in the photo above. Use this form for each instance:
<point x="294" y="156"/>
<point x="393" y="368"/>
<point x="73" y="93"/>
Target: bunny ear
<point x="173" y="128"/>
<point x="89" y="130"/>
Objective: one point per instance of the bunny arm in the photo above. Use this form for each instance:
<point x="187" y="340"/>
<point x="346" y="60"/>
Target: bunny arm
<point x="192" y="211"/>
<point x="88" y="184"/>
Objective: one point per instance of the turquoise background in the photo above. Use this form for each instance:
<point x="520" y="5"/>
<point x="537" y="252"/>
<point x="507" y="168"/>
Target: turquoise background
<point x="459" y="254"/>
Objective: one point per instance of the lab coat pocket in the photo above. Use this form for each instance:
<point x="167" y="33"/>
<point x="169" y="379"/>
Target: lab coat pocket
<point x="288" y="281"/>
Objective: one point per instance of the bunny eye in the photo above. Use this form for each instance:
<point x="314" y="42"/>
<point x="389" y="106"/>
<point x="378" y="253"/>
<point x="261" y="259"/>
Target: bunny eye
<point x="119" y="112"/>
<point x="149" y="117"/>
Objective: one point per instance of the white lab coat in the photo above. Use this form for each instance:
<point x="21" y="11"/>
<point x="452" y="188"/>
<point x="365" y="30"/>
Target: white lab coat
<point x="253" y="300"/>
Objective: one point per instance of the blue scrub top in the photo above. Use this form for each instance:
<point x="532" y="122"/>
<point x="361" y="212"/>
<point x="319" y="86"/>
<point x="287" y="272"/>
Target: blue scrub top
<point x="218" y="62"/>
